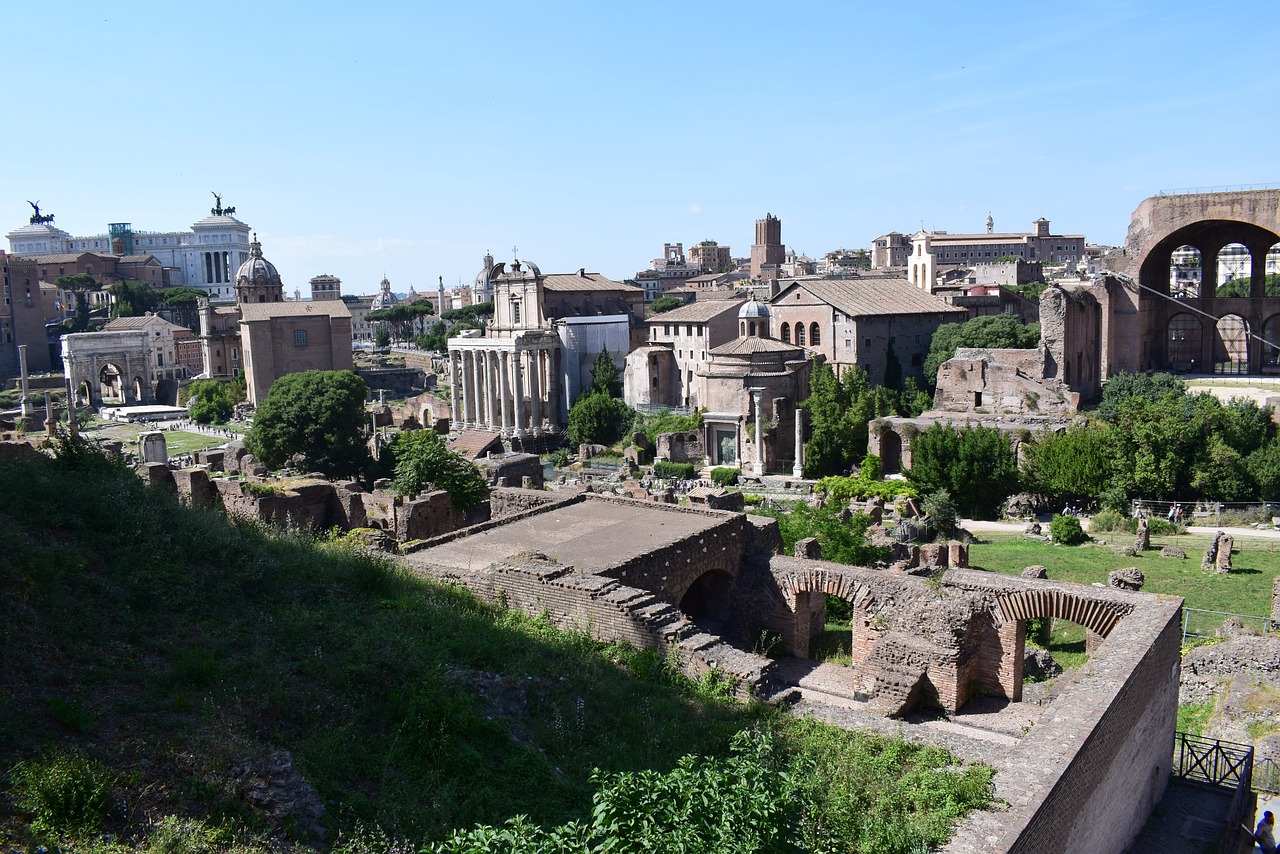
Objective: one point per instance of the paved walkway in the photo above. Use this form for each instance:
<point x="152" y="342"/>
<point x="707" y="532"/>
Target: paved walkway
<point x="977" y="525"/>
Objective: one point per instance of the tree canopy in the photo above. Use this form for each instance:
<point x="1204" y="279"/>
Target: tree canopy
<point x="423" y="463"/>
<point x="1240" y="287"/>
<point x="80" y="285"/>
<point x="1121" y="387"/>
<point x="975" y="465"/>
<point x="469" y="312"/>
<point x="133" y="299"/>
<point x="840" y="408"/>
<point x="211" y="401"/>
<point x="605" y="378"/>
<point x="997" y="331"/>
<point x="318" y="415"/>
<point x="599" y="419"/>
<point x="403" y="321"/>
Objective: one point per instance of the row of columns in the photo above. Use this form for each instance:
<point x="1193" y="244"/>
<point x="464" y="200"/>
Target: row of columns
<point x="217" y="267"/>
<point x="488" y="390"/>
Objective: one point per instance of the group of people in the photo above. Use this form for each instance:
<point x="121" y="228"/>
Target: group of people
<point x="1175" y="514"/>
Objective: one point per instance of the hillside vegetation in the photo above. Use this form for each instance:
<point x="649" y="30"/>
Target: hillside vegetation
<point x="171" y="680"/>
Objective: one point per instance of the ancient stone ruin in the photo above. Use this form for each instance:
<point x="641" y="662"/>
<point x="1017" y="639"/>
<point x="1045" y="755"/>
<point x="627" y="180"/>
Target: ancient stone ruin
<point x="1217" y="558"/>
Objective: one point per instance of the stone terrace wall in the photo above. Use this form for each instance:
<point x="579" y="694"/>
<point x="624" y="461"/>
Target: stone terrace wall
<point x="507" y="501"/>
<point x="1086" y="778"/>
<point x="612" y="612"/>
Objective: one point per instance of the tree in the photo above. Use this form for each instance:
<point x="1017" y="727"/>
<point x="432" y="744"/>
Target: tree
<point x="381" y="337"/>
<point x="132" y="299"/>
<point x="1072" y="465"/>
<point x="598" y="419"/>
<point x="469" y="312"/>
<point x="211" y="402"/>
<point x="665" y="304"/>
<point x="1241" y="286"/>
<point x="605" y="378"/>
<point x="1121" y="387"/>
<point x="182" y="302"/>
<point x="81" y="285"/>
<point x="839" y="411"/>
<point x="423" y="463"/>
<point x="975" y="465"/>
<point x="318" y="415"/>
<point x="998" y="331"/>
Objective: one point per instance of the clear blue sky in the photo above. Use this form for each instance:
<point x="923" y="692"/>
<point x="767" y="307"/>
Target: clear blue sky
<point x="407" y="138"/>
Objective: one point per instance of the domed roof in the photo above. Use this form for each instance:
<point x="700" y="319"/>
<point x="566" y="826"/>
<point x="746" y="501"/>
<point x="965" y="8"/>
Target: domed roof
<point x="256" y="268"/>
<point x="752" y="309"/>
<point x="384" y="299"/>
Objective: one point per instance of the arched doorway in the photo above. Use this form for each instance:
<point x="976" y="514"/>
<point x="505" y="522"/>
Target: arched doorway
<point x="1231" y="345"/>
<point x="111" y="384"/>
<point x="138" y="397"/>
<point x="706" y="602"/>
<point x="1235" y="263"/>
<point x="1184" y="272"/>
<point x="1183" y="342"/>
<point x="891" y="452"/>
<point x="1271" y="343"/>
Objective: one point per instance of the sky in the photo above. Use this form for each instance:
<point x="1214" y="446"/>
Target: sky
<point x="406" y="139"/>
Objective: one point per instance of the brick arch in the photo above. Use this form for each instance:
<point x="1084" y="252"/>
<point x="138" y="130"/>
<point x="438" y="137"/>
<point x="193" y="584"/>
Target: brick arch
<point x="824" y="579"/>
<point x="1097" y="617"/>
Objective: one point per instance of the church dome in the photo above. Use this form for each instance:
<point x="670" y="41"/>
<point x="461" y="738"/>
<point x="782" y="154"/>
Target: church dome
<point x="384" y="299"/>
<point x="256" y="268"/>
<point x="753" y="310"/>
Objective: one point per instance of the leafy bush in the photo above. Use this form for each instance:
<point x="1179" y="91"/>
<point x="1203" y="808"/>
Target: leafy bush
<point x="975" y="465"/>
<point x="940" y="509"/>
<point x="211" y="402"/>
<point x="1109" y="521"/>
<point x="752" y="499"/>
<point x="674" y="471"/>
<point x="65" y="793"/>
<point x="1066" y="530"/>
<point x="665" y="421"/>
<point x="724" y="475"/>
<point x="844" y="489"/>
<point x="424" y="463"/>
<point x="316" y="414"/>
<point x="664" y="304"/>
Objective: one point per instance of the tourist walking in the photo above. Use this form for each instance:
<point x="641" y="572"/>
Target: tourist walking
<point x="1265" y="835"/>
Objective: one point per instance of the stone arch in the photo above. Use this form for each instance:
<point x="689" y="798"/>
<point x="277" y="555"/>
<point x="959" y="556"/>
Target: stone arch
<point x="1231" y="345"/>
<point x="112" y="383"/>
<point x="786" y="333"/>
<point x="805" y="593"/>
<point x="1183" y="341"/>
<point x="815" y="335"/>
<point x="891" y="452"/>
<point x="122" y="357"/>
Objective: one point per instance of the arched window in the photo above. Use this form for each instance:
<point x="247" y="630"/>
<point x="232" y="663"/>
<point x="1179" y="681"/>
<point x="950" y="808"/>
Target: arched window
<point x="800" y="334"/>
<point x="753" y="328"/>
<point x="815" y="335"/>
<point x="786" y="333"/>
<point x="742" y="328"/>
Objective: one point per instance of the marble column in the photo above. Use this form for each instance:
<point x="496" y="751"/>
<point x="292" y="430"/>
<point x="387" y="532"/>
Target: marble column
<point x="504" y="374"/>
<point x="24" y="402"/>
<point x="797" y="470"/>
<point x="556" y="384"/>
<point x="468" y="390"/>
<point x="517" y="373"/>
<point x="454" y="377"/>
<point x="535" y="391"/>
<point x="477" y="393"/>
<point x="757" y="467"/>
<point x="491" y="380"/>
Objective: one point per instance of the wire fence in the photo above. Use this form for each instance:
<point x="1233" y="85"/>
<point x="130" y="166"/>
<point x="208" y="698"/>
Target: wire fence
<point x="1199" y="624"/>
<point x="1217" y="513"/>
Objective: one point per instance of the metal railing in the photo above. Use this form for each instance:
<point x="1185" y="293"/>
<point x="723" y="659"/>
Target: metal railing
<point x="1198" y="623"/>
<point x="1227" y="188"/>
<point x="1213" y="762"/>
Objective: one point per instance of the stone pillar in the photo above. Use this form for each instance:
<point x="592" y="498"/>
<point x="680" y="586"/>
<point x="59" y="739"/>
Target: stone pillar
<point x="553" y="388"/>
<point x="455" y="376"/>
<point x="517" y="373"/>
<point x="24" y="402"/>
<point x="49" y="423"/>
<point x="1258" y="272"/>
<point x="757" y="467"/>
<point x="468" y="388"/>
<point x="491" y="380"/>
<point x="477" y="393"/>
<point x="797" y="470"/>
<point x="504" y="376"/>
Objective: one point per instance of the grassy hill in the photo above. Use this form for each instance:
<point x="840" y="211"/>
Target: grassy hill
<point x="171" y="680"/>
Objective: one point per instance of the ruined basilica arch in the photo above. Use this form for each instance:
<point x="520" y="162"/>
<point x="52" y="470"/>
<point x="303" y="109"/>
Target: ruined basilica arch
<point x="119" y="362"/>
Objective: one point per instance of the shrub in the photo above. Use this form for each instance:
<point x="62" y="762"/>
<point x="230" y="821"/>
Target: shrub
<point x="1066" y="530"/>
<point x="1110" y="521"/>
<point x="752" y="499"/>
<point x="673" y="471"/>
<point x="940" y="509"/>
<point x="598" y="419"/>
<point x="66" y="793"/>
<point x="724" y="476"/>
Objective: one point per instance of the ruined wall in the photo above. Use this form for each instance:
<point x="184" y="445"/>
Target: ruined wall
<point x="508" y="501"/>
<point x="685" y="446"/>
<point x="513" y="470"/>
<point x="668" y="572"/>
<point x="1070" y="334"/>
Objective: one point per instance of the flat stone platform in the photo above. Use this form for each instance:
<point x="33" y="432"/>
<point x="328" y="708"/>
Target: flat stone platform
<point x="590" y="536"/>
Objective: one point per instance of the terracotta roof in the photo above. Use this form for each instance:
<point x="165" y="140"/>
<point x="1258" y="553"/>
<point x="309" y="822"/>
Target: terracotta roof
<point x="64" y="257"/>
<point x="137" y="259"/>
<point x="268" y="310"/>
<point x="474" y="444"/>
<point x="753" y="344"/>
<point x="696" y="312"/>
<point x="870" y="297"/>
<point x="583" y="281"/>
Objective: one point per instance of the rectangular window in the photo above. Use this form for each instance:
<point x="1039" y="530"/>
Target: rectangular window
<point x="299" y="337"/>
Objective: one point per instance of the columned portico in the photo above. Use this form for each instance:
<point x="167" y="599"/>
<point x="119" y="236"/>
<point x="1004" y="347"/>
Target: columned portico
<point x="501" y="384"/>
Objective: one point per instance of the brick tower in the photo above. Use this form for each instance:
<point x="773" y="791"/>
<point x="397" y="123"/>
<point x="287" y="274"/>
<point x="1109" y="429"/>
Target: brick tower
<point x="767" y="252"/>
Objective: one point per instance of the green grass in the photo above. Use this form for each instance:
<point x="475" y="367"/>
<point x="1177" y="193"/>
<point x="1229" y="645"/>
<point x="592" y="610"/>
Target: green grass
<point x="1193" y="717"/>
<point x="165" y="643"/>
<point x="834" y="645"/>
<point x="1245" y="590"/>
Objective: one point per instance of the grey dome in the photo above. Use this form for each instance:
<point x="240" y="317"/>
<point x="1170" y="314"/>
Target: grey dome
<point x="257" y="268"/>
<point x="753" y="309"/>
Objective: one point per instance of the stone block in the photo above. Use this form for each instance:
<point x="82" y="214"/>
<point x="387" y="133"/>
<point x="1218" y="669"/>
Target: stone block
<point x="152" y="447"/>
<point x="1035" y="571"/>
<point x="1128" y="578"/>
<point x="810" y="548"/>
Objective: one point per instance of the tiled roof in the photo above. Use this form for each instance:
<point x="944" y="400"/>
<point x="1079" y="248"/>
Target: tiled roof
<point x="870" y="297"/>
<point x="268" y="310"/>
<point x="696" y="312"/>
<point x="583" y="281"/>
<point x="64" y="257"/>
<point x="474" y="444"/>
<point x="121" y="323"/>
<point x="753" y="344"/>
